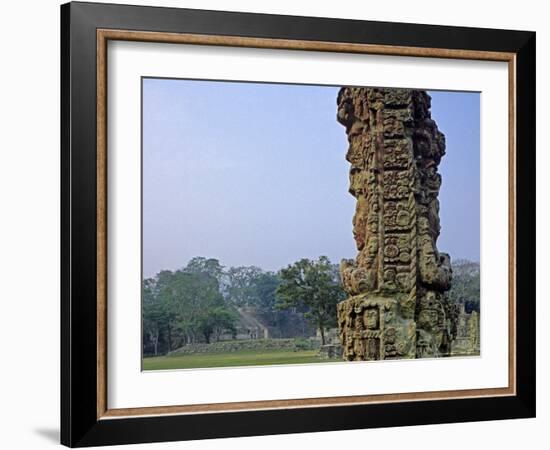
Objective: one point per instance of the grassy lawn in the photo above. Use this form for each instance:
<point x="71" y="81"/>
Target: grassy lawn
<point x="239" y="358"/>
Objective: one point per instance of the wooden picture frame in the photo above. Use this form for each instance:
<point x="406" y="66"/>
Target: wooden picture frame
<point x="86" y="418"/>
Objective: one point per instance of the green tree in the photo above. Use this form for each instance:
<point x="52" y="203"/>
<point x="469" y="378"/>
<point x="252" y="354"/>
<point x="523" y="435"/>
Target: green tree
<point x="465" y="286"/>
<point x="158" y="317"/>
<point x="265" y="287"/>
<point x="195" y="296"/>
<point x="155" y="317"/>
<point x="183" y="306"/>
<point x="205" y="266"/>
<point x="242" y="281"/>
<point x="312" y="285"/>
<point x="213" y="321"/>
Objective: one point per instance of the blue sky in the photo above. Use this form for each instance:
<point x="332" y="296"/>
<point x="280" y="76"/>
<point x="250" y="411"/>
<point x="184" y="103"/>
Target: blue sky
<point x="255" y="174"/>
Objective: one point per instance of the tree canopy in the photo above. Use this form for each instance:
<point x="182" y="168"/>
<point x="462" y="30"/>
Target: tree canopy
<point x="313" y="286"/>
<point x="181" y="306"/>
<point x="202" y="302"/>
<point x="465" y="288"/>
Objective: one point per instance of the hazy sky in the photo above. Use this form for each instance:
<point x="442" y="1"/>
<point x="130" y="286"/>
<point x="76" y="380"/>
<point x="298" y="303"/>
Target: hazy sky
<point x="255" y="174"/>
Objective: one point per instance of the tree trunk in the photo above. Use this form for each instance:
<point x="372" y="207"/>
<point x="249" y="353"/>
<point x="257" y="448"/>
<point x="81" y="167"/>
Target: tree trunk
<point x="322" y="331"/>
<point x="169" y="337"/>
<point x="155" y="344"/>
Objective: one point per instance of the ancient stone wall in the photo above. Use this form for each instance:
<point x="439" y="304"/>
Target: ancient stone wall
<point x="397" y="306"/>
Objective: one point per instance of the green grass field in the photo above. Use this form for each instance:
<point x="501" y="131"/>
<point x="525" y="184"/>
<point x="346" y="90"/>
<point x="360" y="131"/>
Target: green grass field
<point x="239" y="358"/>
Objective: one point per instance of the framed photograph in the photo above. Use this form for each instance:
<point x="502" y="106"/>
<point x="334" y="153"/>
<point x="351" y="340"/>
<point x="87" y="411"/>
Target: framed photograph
<point x="277" y="224"/>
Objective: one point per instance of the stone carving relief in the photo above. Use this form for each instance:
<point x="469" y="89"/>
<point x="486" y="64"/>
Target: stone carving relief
<point x="397" y="306"/>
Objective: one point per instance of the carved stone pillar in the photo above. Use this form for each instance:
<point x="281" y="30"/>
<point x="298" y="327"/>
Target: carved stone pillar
<point x="397" y="307"/>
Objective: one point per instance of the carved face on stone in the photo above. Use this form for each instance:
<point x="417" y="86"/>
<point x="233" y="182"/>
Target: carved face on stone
<point x="372" y="245"/>
<point x="359" y="280"/>
<point x="356" y="182"/>
<point x="345" y="108"/>
<point x="430" y="314"/>
<point x="428" y="319"/>
<point x="371" y="318"/>
<point x="423" y="225"/>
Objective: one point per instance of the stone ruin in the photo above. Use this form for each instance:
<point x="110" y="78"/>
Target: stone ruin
<point x="397" y="305"/>
<point x="466" y="335"/>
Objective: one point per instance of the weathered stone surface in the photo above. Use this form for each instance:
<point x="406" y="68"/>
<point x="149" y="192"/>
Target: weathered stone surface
<point x="397" y="306"/>
<point x="330" y="351"/>
<point x="466" y="338"/>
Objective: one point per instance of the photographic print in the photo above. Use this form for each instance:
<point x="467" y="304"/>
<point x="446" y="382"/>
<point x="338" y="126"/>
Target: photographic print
<point x="302" y="224"/>
<point x="260" y="211"/>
